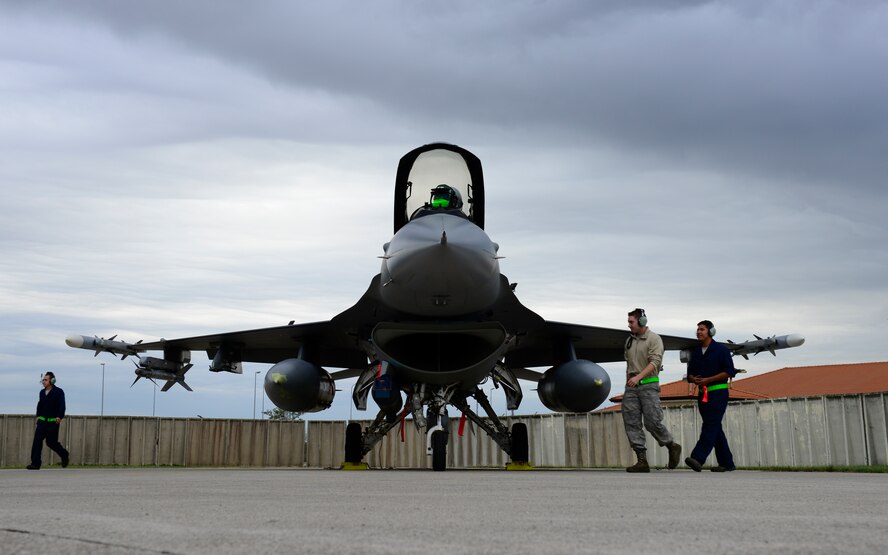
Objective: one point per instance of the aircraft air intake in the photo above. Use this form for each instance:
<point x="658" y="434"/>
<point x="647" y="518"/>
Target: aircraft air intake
<point x="441" y="353"/>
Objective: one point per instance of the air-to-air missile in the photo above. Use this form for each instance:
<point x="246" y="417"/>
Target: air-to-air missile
<point x="757" y="345"/>
<point x="100" y="344"/>
<point x="159" y="369"/>
<point x="172" y="372"/>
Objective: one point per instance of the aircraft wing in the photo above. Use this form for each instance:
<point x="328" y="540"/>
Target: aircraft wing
<point x="327" y="344"/>
<point x="535" y="349"/>
<point x="590" y="343"/>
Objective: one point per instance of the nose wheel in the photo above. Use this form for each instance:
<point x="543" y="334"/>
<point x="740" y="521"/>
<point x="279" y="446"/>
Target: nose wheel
<point x="439" y="451"/>
<point x="436" y="437"/>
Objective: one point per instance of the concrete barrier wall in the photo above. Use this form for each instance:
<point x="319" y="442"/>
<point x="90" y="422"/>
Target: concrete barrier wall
<point x="813" y="431"/>
<point x="799" y="432"/>
<point x="145" y="441"/>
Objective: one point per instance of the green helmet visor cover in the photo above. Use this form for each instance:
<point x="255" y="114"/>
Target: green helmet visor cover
<point x="440" y="203"/>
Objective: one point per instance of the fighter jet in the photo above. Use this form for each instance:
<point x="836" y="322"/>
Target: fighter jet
<point x="437" y="321"/>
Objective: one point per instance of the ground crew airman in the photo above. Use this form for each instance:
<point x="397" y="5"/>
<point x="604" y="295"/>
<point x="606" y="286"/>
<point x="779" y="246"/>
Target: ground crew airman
<point x="641" y="400"/>
<point x="709" y="368"/>
<point x="50" y="411"/>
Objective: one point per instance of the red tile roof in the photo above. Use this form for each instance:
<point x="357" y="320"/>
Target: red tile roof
<point x="796" y="381"/>
<point x="832" y="379"/>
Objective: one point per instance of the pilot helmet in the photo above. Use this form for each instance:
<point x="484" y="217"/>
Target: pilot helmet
<point x="445" y="196"/>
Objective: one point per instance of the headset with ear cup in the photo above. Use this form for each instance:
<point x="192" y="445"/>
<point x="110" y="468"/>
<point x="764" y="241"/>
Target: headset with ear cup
<point x="49" y="375"/>
<point x="642" y="317"/>
<point x="710" y="327"/>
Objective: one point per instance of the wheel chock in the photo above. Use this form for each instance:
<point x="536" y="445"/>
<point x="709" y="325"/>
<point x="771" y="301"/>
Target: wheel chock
<point x="519" y="465"/>
<point x="354" y="466"/>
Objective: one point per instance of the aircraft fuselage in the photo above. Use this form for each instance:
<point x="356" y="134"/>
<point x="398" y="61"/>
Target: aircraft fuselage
<point x="440" y="265"/>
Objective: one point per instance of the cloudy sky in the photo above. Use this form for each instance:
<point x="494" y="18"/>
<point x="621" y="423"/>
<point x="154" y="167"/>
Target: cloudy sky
<point x="171" y="169"/>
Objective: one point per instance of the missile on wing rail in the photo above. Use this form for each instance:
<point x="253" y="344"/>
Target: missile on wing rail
<point x="757" y="345"/>
<point x="100" y="344"/>
<point x="157" y="368"/>
<point x="769" y="344"/>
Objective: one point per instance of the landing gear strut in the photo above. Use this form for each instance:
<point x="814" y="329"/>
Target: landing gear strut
<point x="436" y="423"/>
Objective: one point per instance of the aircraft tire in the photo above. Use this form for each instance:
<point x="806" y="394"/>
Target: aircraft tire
<point x="439" y="451"/>
<point x="353" y="443"/>
<point x="520" y="444"/>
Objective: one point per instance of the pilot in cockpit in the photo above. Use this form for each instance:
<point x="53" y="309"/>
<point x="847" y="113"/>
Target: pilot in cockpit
<point x="446" y="197"/>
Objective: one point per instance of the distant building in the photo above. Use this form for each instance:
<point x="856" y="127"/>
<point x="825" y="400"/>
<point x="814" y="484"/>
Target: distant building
<point x="793" y="381"/>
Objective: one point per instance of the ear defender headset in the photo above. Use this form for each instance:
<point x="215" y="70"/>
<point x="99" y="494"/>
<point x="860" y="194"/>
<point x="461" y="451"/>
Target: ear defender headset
<point x="709" y="326"/>
<point x="51" y="378"/>
<point x="642" y="318"/>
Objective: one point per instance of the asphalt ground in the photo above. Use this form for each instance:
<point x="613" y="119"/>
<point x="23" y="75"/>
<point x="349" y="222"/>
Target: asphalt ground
<point x="111" y="511"/>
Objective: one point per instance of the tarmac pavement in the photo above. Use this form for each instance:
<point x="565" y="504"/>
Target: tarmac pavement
<point x="167" y="510"/>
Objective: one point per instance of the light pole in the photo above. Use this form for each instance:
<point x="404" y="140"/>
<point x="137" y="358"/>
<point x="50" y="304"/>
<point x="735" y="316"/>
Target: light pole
<point x="256" y="375"/>
<point x="102" y="409"/>
<point x="263" y="404"/>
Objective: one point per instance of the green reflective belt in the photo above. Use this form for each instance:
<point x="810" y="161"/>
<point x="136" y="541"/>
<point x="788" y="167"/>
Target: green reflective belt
<point x="718" y="386"/>
<point x="650" y="379"/>
<point x="46" y="419"/>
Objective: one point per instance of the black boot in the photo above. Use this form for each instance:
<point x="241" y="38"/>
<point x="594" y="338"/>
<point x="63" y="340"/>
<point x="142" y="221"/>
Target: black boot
<point x="674" y="455"/>
<point x="641" y="465"/>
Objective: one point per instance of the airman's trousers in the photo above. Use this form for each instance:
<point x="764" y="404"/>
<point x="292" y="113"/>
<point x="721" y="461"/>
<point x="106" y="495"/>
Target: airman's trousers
<point x="48" y="431"/>
<point x="641" y="404"/>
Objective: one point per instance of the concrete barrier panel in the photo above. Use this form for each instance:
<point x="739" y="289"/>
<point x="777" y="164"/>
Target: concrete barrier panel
<point x="813" y="431"/>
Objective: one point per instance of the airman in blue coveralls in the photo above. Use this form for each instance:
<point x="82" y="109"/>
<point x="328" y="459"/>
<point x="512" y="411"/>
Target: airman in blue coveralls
<point x="50" y="411"/>
<point x="709" y="368"/>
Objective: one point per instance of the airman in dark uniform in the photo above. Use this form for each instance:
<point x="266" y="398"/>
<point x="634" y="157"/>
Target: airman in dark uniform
<point x="709" y="368"/>
<point x="50" y="411"/>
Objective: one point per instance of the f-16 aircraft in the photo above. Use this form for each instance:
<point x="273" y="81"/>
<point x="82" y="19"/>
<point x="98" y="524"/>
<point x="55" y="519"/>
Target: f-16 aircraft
<point x="436" y="322"/>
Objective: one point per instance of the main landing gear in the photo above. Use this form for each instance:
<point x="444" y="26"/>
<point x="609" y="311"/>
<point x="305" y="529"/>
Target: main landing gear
<point x="435" y="424"/>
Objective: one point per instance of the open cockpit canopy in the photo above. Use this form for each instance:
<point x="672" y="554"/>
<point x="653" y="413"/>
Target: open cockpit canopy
<point x="430" y="166"/>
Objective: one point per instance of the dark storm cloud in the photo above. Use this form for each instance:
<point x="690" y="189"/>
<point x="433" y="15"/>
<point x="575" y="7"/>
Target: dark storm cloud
<point x="794" y="89"/>
<point x="173" y="169"/>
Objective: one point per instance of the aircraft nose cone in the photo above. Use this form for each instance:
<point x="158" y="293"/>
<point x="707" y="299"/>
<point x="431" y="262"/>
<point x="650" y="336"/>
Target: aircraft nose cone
<point x="440" y="266"/>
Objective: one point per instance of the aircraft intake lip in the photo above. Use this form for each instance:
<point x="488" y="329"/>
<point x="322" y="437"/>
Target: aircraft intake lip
<point x="461" y="351"/>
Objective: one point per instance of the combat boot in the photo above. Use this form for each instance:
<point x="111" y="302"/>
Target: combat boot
<point x="641" y="465"/>
<point x="674" y="455"/>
